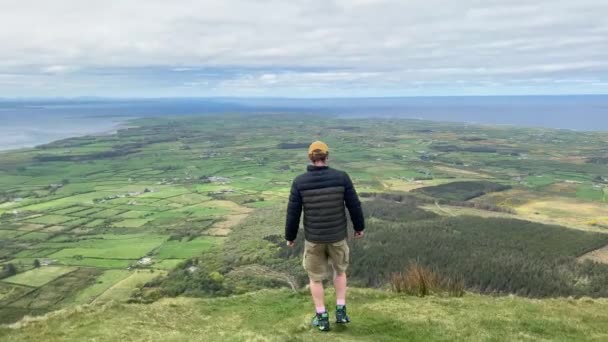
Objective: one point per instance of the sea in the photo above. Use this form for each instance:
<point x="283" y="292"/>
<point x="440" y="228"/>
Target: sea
<point x="27" y="123"/>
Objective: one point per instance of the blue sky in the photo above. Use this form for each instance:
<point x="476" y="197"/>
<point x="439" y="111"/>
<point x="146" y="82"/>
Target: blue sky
<point x="313" y="48"/>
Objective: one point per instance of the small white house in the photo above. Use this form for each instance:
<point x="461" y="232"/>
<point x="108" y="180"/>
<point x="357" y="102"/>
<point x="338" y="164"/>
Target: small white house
<point x="145" y="261"/>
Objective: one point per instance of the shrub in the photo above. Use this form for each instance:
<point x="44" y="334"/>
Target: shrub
<point x="8" y="270"/>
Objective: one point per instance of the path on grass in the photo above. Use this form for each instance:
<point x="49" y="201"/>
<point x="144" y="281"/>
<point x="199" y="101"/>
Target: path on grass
<point x="444" y="210"/>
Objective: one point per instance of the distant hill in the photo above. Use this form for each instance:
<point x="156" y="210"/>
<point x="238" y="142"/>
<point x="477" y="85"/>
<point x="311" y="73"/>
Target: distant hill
<point x="281" y="315"/>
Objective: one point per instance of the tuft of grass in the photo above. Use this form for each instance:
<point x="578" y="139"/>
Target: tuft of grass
<point x="422" y="281"/>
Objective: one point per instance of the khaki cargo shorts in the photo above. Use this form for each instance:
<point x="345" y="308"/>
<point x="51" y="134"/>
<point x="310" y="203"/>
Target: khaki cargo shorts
<point x="318" y="257"/>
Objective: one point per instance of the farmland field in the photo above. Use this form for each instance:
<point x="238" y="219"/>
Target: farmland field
<point x="39" y="276"/>
<point x="106" y="280"/>
<point x="195" y="205"/>
<point x="122" y="289"/>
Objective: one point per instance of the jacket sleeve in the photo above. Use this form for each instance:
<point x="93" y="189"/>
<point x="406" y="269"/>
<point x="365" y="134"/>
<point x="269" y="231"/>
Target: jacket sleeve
<point x="294" y="210"/>
<point x="353" y="204"/>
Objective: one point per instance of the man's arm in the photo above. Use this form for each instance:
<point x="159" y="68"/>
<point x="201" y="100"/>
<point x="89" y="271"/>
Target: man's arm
<point x="294" y="210"/>
<point x="353" y="204"/>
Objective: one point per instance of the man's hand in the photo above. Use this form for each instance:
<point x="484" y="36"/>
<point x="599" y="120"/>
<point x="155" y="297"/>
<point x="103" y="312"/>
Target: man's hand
<point x="290" y="244"/>
<point x="359" y="235"/>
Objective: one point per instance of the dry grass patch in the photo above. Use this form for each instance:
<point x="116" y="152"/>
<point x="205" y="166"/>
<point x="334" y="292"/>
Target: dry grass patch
<point x="562" y="187"/>
<point x="223" y="228"/>
<point x="447" y="210"/>
<point x="579" y="160"/>
<point x="552" y="209"/>
<point x="30" y="227"/>
<point x="461" y="172"/>
<point x="567" y="212"/>
<point x="53" y="229"/>
<point x="422" y="281"/>
<point x="404" y="185"/>
<point x="599" y="255"/>
<point x="508" y="198"/>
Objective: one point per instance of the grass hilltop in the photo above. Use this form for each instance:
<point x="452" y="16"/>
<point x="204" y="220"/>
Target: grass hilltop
<point x="281" y="315"/>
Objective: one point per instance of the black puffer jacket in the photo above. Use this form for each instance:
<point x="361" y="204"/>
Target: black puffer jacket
<point x="323" y="192"/>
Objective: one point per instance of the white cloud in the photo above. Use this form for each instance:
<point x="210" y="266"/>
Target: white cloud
<point x="57" y="69"/>
<point x="379" y="42"/>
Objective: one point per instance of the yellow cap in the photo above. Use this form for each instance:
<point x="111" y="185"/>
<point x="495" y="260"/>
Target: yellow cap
<point x="318" y="148"/>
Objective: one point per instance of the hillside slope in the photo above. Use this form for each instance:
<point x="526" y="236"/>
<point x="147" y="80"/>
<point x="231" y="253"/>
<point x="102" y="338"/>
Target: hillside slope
<point x="280" y="315"/>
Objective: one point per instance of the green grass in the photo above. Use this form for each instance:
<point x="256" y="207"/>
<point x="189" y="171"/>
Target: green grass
<point x="202" y="210"/>
<point x="108" y="213"/>
<point x="35" y="253"/>
<point x="87" y="212"/>
<point x="279" y="315"/>
<point x="39" y="276"/>
<point x="10" y="234"/>
<point x="132" y="246"/>
<point x="189" y="199"/>
<point x="94" y="262"/>
<point x="186" y="249"/>
<point x="33" y="236"/>
<point x="50" y="219"/>
<point x="131" y="223"/>
<point x="261" y="204"/>
<point x="133" y="214"/>
<point x="165" y="193"/>
<point x="69" y="210"/>
<point x="65" y="201"/>
<point x="540" y="180"/>
<point x="587" y="192"/>
<point x="94" y="223"/>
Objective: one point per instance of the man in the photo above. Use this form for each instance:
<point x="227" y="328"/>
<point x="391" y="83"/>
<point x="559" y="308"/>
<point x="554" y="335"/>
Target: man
<point x="324" y="192"/>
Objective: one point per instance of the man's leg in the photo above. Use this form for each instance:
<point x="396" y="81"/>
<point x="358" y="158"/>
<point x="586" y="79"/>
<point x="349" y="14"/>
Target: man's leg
<point x="321" y="319"/>
<point x="318" y="295"/>
<point x="340" y="286"/>
<point x="315" y="263"/>
<point x="339" y="254"/>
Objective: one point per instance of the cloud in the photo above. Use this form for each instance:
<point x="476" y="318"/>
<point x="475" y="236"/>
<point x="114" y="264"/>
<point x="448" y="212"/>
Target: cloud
<point x="276" y="47"/>
<point x="57" y="69"/>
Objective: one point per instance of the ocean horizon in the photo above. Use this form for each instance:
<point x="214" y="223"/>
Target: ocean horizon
<point x="28" y="123"/>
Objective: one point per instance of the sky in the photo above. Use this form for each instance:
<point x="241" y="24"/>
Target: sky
<point x="302" y="48"/>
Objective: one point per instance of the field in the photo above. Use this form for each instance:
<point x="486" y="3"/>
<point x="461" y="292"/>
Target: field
<point x="102" y="283"/>
<point x="194" y="206"/>
<point x="38" y="276"/>
<point x="122" y="289"/>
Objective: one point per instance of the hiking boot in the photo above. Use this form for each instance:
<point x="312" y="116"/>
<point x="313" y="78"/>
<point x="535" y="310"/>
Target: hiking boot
<point x="341" y="316"/>
<point x="321" y="321"/>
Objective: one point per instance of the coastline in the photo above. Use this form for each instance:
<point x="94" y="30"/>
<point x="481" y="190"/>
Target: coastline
<point x="116" y="125"/>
